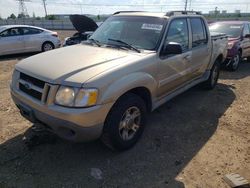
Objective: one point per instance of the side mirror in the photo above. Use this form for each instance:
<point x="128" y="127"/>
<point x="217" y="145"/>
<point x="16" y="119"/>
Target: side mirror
<point x="88" y="36"/>
<point x="172" y="48"/>
<point x="247" y="36"/>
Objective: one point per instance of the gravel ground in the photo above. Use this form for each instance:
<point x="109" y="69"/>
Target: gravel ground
<point x="192" y="141"/>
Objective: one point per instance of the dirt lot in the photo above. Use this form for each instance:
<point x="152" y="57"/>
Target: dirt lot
<point x="192" y="141"/>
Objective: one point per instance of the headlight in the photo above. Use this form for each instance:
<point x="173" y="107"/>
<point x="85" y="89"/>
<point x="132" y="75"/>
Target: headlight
<point x="76" y="97"/>
<point x="65" y="96"/>
<point x="230" y="45"/>
<point x="65" y="41"/>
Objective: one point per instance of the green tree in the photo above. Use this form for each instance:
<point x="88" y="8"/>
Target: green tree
<point x="12" y="16"/>
<point x="98" y="17"/>
<point x="50" y="17"/>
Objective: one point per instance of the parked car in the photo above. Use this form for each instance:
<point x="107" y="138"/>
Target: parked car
<point x="16" y="39"/>
<point x="85" y="27"/>
<point x="104" y="87"/>
<point x="238" y="42"/>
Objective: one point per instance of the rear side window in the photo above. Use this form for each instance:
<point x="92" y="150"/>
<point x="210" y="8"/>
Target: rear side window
<point x="199" y="34"/>
<point x="31" y="31"/>
<point x="11" y="32"/>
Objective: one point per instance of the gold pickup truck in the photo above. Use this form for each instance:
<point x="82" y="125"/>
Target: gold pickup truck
<point x="104" y="87"/>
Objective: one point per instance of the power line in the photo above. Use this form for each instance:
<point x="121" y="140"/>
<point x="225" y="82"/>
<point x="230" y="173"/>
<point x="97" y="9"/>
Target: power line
<point x="152" y="5"/>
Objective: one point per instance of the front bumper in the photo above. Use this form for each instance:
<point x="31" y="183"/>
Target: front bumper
<point x="74" y="124"/>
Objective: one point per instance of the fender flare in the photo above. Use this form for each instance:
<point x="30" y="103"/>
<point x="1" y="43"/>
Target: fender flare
<point x="126" y="83"/>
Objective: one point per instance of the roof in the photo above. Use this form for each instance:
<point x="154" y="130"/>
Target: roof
<point x="150" y="14"/>
<point x="231" y="22"/>
<point x="3" y="27"/>
<point x="177" y="13"/>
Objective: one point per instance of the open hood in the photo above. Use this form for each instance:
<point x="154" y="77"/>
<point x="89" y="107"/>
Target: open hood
<point x="83" y="23"/>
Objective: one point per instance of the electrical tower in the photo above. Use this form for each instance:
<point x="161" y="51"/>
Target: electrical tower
<point x="22" y="8"/>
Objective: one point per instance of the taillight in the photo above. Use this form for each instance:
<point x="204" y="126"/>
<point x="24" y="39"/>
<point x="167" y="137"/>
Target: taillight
<point x="55" y="34"/>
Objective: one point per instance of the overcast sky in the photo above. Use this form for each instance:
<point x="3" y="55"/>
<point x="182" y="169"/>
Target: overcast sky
<point x="109" y="6"/>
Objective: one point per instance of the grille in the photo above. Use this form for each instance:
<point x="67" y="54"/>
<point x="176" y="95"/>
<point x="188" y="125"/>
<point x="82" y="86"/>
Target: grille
<point x="33" y="87"/>
<point x="31" y="92"/>
<point x="32" y="80"/>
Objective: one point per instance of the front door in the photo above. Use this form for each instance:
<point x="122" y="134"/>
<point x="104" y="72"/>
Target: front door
<point x="173" y="68"/>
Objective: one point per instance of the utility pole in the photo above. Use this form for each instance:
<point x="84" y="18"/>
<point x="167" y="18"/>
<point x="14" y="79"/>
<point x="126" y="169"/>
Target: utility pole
<point x="186" y="1"/>
<point x="45" y="9"/>
<point x="22" y="8"/>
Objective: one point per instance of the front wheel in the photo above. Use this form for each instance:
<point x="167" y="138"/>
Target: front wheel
<point x="235" y="62"/>
<point x="125" y="122"/>
<point x="211" y="82"/>
<point x="47" y="46"/>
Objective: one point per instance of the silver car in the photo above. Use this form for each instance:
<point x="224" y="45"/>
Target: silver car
<point x="23" y="38"/>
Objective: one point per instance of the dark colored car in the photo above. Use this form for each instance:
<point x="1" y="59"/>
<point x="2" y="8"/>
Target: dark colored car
<point x="238" y="33"/>
<point x="84" y="25"/>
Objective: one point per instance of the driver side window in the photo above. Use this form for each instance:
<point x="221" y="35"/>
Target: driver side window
<point x="178" y="33"/>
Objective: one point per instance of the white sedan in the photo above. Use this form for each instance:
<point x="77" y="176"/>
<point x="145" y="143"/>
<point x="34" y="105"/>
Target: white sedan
<point x="23" y="38"/>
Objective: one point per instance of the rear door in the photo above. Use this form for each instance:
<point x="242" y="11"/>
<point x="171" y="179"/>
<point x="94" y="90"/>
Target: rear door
<point x="11" y="41"/>
<point x="173" y="68"/>
<point x="33" y="39"/>
<point x="201" y="47"/>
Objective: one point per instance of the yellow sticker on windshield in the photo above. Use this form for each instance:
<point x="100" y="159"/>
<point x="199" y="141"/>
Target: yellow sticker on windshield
<point x="156" y="27"/>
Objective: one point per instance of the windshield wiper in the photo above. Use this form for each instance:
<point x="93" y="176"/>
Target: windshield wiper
<point x="95" y="41"/>
<point x="131" y="47"/>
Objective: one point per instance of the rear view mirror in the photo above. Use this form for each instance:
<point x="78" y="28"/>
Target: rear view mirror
<point x="171" y="48"/>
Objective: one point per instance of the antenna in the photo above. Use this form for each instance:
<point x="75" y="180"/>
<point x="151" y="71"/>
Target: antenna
<point x="22" y="8"/>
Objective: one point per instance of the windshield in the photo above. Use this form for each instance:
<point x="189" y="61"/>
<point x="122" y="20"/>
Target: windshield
<point x="232" y="30"/>
<point x="137" y="31"/>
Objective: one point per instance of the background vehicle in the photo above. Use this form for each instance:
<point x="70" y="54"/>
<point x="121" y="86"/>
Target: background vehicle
<point x="85" y="27"/>
<point x="238" y="41"/>
<point x="23" y="38"/>
<point x="104" y="87"/>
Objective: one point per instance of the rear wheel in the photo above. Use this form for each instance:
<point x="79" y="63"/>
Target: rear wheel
<point x="214" y="76"/>
<point x="47" y="46"/>
<point x="235" y="62"/>
<point x="125" y="122"/>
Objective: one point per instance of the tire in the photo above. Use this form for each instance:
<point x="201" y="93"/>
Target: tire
<point x="234" y="65"/>
<point x="47" y="46"/>
<point x="125" y="123"/>
<point x="211" y="82"/>
<point x="248" y="59"/>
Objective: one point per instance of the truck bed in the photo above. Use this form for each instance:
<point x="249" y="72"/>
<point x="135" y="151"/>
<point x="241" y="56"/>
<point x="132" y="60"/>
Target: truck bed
<point x="215" y="35"/>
